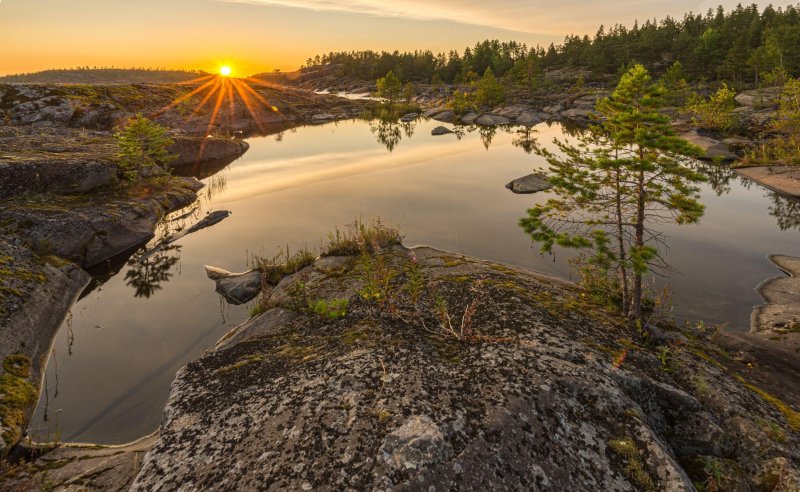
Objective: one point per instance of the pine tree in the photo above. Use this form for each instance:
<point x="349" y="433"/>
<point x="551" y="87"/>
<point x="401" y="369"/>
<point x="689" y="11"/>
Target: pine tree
<point x="143" y="144"/>
<point x="628" y="175"/>
<point x="389" y="88"/>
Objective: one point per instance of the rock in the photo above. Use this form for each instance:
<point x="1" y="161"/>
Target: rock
<point x="469" y="118"/>
<point x="553" y="109"/>
<point x="322" y="118"/>
<point x="408" y="118"/>
<point x="236" y="288"/>
<point x="491" y="120"/>
<point x="712" y="149"/>
<point x="86" y="468"/>
<point x="209" y="220"/>
<point x="531" y="183"/>
<point x="192" y="150"/>
<point x="781" y="313"/>
<point x="535" y="395"/>
<point x="578" y="114"/>
<point x="779" y="178"/>
<point x="441" y="130"/>
<point x="761" y="98"/>
<point x="433" y="112"/>
<point x="88" y="233"/>
<point x="446" y="116"/>
<point x="529" y="118"/>
<point x="415" y="444"/>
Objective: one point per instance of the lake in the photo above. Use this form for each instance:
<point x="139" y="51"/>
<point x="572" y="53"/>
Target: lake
<point x="115" y="356"/>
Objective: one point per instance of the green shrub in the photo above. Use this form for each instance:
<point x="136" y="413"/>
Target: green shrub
<point x="143" y="144"/>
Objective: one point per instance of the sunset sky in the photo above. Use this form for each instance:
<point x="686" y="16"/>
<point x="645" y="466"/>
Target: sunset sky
<point x="261" y="35"/>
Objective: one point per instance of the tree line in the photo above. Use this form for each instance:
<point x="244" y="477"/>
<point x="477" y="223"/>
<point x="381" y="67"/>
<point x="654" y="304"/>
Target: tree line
<point x="737" y="46"/>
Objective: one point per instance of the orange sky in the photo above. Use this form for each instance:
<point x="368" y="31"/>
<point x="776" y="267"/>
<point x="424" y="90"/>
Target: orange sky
<point x="260" y="35"/>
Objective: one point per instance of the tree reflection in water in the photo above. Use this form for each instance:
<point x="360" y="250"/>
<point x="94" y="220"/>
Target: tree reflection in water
<point x="146" y="276"/>
<point x="388" y="133"/>
<point x="525" y="139"/>
<point x="786" y="210"/>
<point x="487" y="134"/>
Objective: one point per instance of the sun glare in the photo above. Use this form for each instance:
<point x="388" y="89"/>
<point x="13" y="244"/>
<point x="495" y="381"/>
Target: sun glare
<point x="225" y="71"/>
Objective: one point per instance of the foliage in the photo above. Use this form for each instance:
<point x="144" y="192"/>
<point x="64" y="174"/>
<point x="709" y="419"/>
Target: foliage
<point x="675" y="86"/>
<point x="488" y="90"/>
<point x="788" y="121"/>
<point x="408" y="92"/>
<point x="360" y="236"/>
<point x="143" y="144"/>
<point x="738" y="46"/>
<point x="389" y="88"/>
<point x="332" y="309"/>
<point x="716" y="112"/>
<point x="461" y="103"/>
<point x="618" y="181"/>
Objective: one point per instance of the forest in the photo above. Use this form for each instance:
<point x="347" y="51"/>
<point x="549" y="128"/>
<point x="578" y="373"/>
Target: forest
<point x="741" y="47"/>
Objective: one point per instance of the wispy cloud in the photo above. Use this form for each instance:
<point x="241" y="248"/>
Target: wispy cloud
<point x="528" y="16"/>
<point x="474" y="12"/>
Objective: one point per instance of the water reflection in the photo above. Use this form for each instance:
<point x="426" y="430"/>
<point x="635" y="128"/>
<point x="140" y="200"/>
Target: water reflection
<point x="387" y="133"/>
<point x="487" y="134"/>
<point x="146" y="275"/>
<point x="525" y="139"/>
<point x="786" y="211"/>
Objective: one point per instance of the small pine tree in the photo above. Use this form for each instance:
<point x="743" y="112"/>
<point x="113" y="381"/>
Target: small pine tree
<point x="389" y="88"/>
<point x="409" y="91"/>
<point x="488" y="90"/>
<point x="627" y="175"/>
<point x="716" y="112"/>
<point x="143" y="144"/>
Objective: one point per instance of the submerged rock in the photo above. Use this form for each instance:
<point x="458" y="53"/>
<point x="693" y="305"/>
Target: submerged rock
<point x="479" y="376"/>
<point x="236" y="288"/>
<point x="408" y="118"/>
<point x="531" y="183"/>
<point x="441" y="130"/>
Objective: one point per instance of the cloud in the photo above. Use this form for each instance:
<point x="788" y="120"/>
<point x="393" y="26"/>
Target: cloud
<point x="527" y="16"/>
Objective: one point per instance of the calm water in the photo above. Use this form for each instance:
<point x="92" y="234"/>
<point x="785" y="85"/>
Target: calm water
<point x="112" y="363"/>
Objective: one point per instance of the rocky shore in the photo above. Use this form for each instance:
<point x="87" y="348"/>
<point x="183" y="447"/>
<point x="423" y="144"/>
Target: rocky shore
<point x="461" y="372"/>
<point x="65" y="209"/>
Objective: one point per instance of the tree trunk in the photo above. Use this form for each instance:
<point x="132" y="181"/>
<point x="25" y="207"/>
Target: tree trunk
<point x="623" y="272"/>
<point x="636" y="312"/>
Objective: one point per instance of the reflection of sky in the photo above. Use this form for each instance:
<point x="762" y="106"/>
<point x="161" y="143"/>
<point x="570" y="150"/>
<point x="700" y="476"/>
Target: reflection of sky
<point x="441" y="191"/>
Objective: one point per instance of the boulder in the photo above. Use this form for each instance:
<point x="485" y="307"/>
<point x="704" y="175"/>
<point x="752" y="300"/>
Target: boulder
<point x="516" y="389"/>
<point x="531" y="183"/>
<point x="433" y="112"/>
<point x="446" y="116"/>
<point x="469" y="118"/>
<point x="712" y="148"/>
<point x="441" y="130"/>
<point x="193" y="150"/>
<point x="578" y="114"/>
<point x="408" y="118"/>
<point x="322" y="118"/>
<point x="236" y="288"/>
<point x="529" y="118"/>
<point x="491" y="120"/>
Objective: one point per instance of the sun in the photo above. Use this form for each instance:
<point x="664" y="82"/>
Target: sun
<point x="225" y="71"/>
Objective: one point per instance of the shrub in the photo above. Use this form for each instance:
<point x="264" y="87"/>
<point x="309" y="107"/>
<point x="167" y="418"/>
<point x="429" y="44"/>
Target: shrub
<point x="716" y="112"/>
<point x="143" y="145"/>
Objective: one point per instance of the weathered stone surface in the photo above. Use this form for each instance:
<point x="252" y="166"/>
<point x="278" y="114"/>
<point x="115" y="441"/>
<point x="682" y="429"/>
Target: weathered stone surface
<point x="236" y="288"/>
<point x="712" y="148"/>
<point x="780" y="178"/>
<point x="531" y="183"/>
<point x="81" y="468"/>
<point x="446" y="116"/>
<point x="781" y="313"/>
<point x="537" y="395"/>
<point x="491" y="120"/>
<point x="191" y="150"/>
<point x="529" y="118"/>
<point x="469" y="118"/>
<point x="408" y="118"/>
<point x="441" y="130"/>
<point x="761" y="98"/>
<point x="577" y="114"/>
<point x="94" y="229"/>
